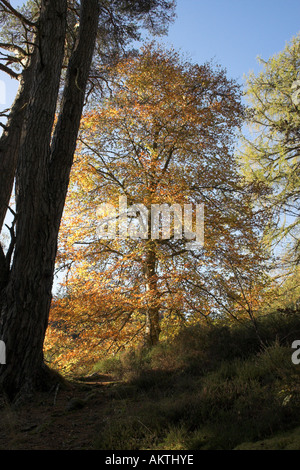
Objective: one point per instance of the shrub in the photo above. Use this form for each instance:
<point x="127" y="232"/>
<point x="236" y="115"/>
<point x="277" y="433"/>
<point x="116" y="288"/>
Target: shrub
<point x="111" y="365"/>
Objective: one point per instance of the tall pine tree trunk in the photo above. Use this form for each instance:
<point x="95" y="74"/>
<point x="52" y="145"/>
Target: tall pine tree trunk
<point x="28" y="293"/>
<point x="42" y="181"/>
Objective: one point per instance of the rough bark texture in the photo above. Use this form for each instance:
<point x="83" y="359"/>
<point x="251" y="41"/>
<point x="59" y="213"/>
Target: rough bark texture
<point x="42" y="182"/>
<point x="28" y="293"/>
<point x="66" y="131"/>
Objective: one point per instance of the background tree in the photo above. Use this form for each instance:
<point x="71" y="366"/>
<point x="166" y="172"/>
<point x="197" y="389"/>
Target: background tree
<point x="271" y="154"/>
<point x="37" y="147"/>
<point x="164" y="135"/>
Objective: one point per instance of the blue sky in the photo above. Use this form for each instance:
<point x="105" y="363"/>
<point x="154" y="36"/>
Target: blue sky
<point x="231" y="32"/>
<point x="234" y="32"/>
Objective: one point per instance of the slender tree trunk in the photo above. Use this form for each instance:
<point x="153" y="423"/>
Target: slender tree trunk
<point x="10" y="140"/>
<point x="10" y="143"/>
<point x="152" y="327"/>
<point x="66" y="131"/>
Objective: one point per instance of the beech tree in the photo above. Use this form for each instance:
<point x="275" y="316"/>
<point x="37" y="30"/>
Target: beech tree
<point x="165" y="135"/>
<point x="53" y="48"/>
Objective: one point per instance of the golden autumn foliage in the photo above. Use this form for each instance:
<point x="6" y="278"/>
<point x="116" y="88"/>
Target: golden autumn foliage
<point x="164" y="134"/>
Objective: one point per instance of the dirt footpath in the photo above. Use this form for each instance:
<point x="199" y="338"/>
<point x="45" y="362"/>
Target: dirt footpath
<point x="64" y="419"/>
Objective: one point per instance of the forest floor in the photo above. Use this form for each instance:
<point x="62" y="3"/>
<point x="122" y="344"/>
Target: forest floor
<point x="73" y="417"/>
<point x="68" y="418"/>
<point x="213" y="388"/>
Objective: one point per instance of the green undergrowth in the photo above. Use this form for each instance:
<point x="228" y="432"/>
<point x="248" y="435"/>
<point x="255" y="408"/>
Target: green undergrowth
<point x="214" y="387"/>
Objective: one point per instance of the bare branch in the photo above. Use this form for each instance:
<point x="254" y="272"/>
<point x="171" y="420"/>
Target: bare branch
<point x="13" y="48"/>
<point x="10" y="72"/>
<point x="5" y="112"/>
<point x="12" y="211"/>
<point x="10" y="9"/>
<point x="12" y="242"/>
